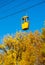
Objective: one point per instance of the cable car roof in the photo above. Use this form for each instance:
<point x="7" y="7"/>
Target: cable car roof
<point x="24" y="17"/>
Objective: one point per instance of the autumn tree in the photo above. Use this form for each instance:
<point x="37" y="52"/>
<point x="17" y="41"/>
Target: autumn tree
<point x="22" y="49"/>
<point x="43" y="46"/>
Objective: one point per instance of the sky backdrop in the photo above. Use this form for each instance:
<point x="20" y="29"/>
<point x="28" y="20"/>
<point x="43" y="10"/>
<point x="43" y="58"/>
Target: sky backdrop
<point x="11" y="24"/>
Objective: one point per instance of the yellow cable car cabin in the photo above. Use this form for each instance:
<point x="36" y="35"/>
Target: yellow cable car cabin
<point x="25" y="24"/>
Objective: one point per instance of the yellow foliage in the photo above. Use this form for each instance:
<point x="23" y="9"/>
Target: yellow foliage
<point x="23" y="49"/>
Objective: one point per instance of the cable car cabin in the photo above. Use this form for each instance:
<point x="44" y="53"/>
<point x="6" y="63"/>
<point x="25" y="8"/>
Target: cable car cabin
<point x="25" y="24"/>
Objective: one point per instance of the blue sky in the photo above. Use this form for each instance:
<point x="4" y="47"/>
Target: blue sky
<point x="12" y="24"/>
